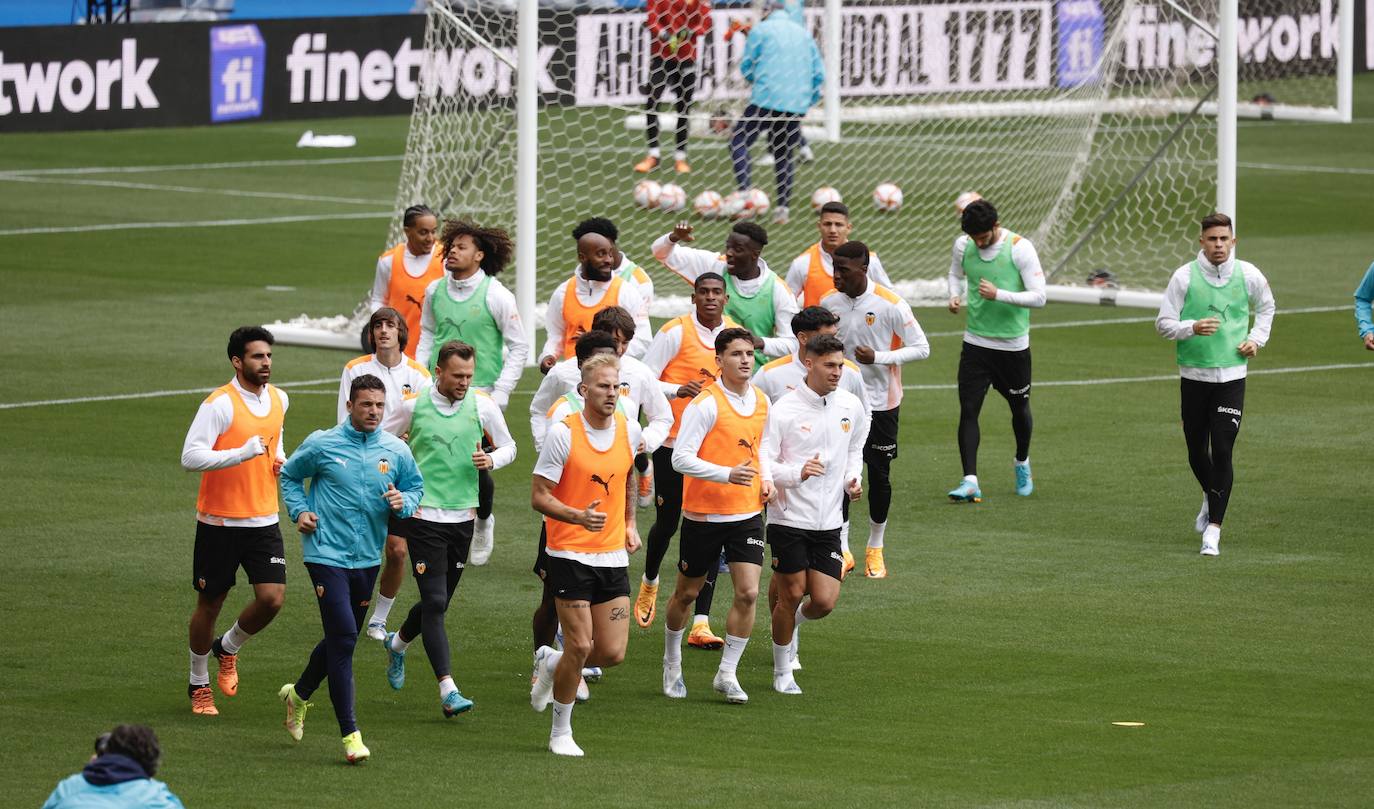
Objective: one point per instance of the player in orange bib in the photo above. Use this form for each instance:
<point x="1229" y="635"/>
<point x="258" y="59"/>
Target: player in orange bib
<point x="811" y="276"/>
<point x="594" y="285"/>
<point x="726" y="480"/>
<point x="583" y="485"/>
<point x="404" y="271"/>
<point x="235" y="442"/>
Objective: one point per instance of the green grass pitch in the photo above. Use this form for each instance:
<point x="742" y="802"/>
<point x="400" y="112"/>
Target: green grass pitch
<point x="986" y="671"/>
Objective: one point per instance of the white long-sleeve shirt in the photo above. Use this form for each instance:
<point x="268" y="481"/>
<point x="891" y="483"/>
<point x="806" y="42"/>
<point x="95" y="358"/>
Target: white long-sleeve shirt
<point x="800" y="268"/>
<point x="784" y="375"/>
<point x="1027" y="263"/>
<point x="212" y="420"/>
<point x="493" y="424"/>
<point x="639" y="390"/>
<point x="881" y="320"/>
<point x="697" y="421"/>
<point x="1261" y="301"/>
<point x="416" y="267"/>
<point x="590" y="293"/>
<point x="691" y="262"/>
<point x="403" y="380"/>
<point x="501" y="305"/>
<point x="803" y="425"/>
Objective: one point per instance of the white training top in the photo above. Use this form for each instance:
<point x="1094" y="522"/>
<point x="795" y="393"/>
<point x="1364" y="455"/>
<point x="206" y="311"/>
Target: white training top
<point x="801" y="426"/>
<point x="212" y="420"/>
<point x="665" y="347"/>
<point x="800" y="268"/>
<point x="557" y="445"/>
<point x="501" y="304"/>
<point x="638" y="386"/>
<point x="1261" y="301"/>
<point x="416" y="266"/>
<point x="590" y="293"/>
<point x="493" y="424"/>
<point x="691" y="262"/>
<point x="403" y="380"/>
<point x="697" y="421"/>
<point x="1026" y="261"/>
<point x="881" y="320"/>
<point x="779" y="378"/>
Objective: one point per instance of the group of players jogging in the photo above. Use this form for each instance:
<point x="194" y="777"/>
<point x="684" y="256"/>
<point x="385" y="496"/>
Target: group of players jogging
<point x="747" y="422"/>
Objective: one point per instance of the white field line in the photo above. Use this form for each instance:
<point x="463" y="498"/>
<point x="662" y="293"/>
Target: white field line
<point x="1111" y="321"/>
<point x="156" y="394"/>
<point x="1121" y="380"/>
<point x="190" y="189"/>
<point x="152" y="394"/>
<point x="202" y="223"/>
<point x="1304" y="169"/>
<point x="240" y="164"/>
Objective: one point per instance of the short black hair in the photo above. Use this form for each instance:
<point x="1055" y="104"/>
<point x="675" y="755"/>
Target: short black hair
<point x="708" y="276"/>
<point x="415" y="212"/>
<point x="599" y="225"/>
<point x="240" y="338"/>
<point x="591" y="343"/>
<point x="615" y="319"/>
<point x="812" y="318"/>
<point x="753" y="230"/>
<point x="834" y="207"/>
<point x="978" y="217"/>
<point x="853" y="249"/>
<point x="137" y="742"/>
<point x="730" y="335"/>
<point x="365" y="382"/>
<point x="825" y="344"/>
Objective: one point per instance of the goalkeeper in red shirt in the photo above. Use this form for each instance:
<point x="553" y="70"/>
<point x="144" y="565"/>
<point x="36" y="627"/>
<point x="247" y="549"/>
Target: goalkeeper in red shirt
<point x="674" y="26"/>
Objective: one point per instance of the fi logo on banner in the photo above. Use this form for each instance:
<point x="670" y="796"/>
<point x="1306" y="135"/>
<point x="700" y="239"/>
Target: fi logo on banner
<point x="238" y="57"/>
<point x="1080" y="42"/>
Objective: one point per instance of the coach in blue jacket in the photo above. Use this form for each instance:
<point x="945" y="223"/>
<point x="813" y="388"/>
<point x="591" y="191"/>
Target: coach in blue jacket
<point x="359" y="474"/>
<point x="783" y="64"/>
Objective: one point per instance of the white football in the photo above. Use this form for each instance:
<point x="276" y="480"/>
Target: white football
<point x="733" y="206"/>
<point x="671" y="197"/>
<point x="887" y="196"/>
<point x="823" y="195"/>
<point x="756" y="202"/>
<point x="708" y="204"/>
<point x="962" y="201"/>
<point x="647" y="193"/>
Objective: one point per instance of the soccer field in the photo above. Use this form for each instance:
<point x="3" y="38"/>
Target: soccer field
<point x="987" y="670"/>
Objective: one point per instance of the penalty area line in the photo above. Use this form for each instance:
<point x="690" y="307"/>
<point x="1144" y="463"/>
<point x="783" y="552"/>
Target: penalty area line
<point x="1123" y="380"/>
<point x="204" y="223"/>
<point x="152" y="394"/>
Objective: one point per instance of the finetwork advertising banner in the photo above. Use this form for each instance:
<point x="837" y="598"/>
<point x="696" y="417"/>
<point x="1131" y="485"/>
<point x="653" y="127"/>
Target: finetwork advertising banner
<point x="180" y="74"/>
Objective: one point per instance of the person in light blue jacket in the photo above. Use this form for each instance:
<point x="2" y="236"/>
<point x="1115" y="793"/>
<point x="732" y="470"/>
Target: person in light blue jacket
<point x="1364" y="297"/>
<point x="118" y="776"/>
<point x="358" y="475"/>
<point x="783" y="64"/>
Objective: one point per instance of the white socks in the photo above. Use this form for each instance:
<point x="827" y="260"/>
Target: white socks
<point x="701" y="619"/>
<point x="672" y="645"/>
<point x="844" y="537"/>
<point x="234" y="639"/>
<point x="782" y="660"/>
<point x="397" y="645"/>
<point x="679" y="155"/>
<point x="649" y="581"/>
<point x="654" y="152"/>
<point x="875" y="533"/>
<point x="734" y="650"/>
<point x="971" y="479"/>
<point x="383" y="608"/>
<point x="800" y="617"/>
<point x="562" y="719"/>
<point x="446" y="687"/>
<point x="200" y="669"/>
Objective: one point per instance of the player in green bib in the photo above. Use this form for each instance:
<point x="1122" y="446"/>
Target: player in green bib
<point x="471" y="306"/>
<point x="1005" y="282"/>
<point x="446" y="427"/>
<point x="1206" y="309"/>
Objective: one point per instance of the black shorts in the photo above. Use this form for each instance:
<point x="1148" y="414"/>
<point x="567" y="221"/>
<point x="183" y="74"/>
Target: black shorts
<point x="882" y="436"/>
<point x="1215" y="406"/>
<point x="574" y="581"/>
<point x="700" y="544"/>
<point x="437" y="547"/>
<point x="541" y="559"/>
<point x="221" y="551"/>
<point x="1008" y="372"/>
<point x="671" y="74"/>
<point x="395" y="526"/>
<point x="797" y="549"/>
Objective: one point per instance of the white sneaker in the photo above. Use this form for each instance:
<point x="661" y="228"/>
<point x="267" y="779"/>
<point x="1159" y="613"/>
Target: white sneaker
<point x="728" y="685"/>
<point x="673" y="686"/>
<point x="482" y="541"/>
<point x="541" y="693"/>
<point x="765" y="160"/>
<point x="583" y="692"/>
<point x="376" y="630"/>
<point x="564" y="746"/>
<point x="781" y="216"/>
<point x="806" y="154"/>
<point x="785" y="684"/>
<point x="1211" y="538"/>
<point x="591" y="673"/>
<point x="1203" y="517"/>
